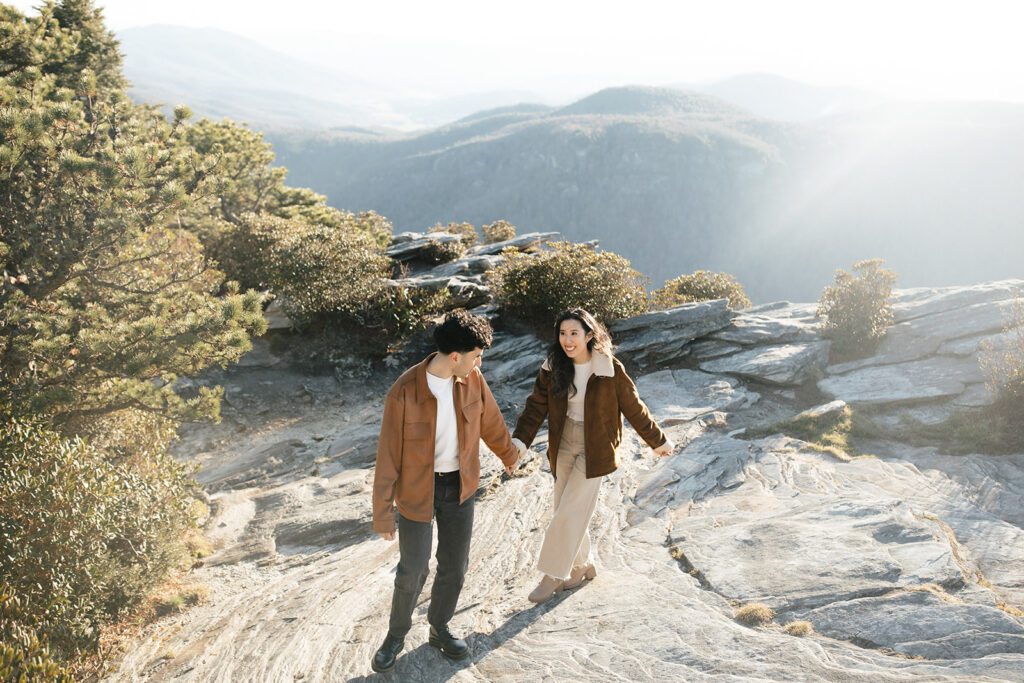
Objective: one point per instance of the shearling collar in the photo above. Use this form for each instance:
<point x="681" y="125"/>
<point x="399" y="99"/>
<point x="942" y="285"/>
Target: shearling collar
<point x="602" y="364"/>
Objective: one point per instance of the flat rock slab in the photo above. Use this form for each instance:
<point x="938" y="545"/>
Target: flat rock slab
<point x="513" y="360"/>
<point x="922" y="337"/>
<point x="920" y="624"/>
<point x="464" y="293"/>
<point x="412" y="245"/>
<point x="932" y="378"/>
<point x="783" y="364"/>
<point x="796" y="529"/>
<point x="829" y="408"/>
<point x="922" y="301"/>
<point x="677" y="396"/>
<point x="521" y="242"/>
<point x="805" y="312"/>
<point x="750" y="329"/>
<point x="466" y="267"/>
<point x="706" y="349"/>
<point x="663" y="336"/>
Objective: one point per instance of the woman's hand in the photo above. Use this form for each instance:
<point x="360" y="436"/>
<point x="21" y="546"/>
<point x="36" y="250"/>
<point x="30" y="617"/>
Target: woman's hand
<point x="665" y="449"/>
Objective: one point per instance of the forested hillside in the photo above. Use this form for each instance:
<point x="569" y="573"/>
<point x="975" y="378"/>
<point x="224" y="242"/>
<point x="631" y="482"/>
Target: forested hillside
<point x="677" y="181"/>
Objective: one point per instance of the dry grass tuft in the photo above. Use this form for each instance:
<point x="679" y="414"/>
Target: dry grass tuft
<point x="199" y="547"/>
<point x="187" y="596"/>
<point x="1010" y="609"/>
<point x="799" y="628"/>
<point x="754" y="614"/>
<point x="938" y="591"/>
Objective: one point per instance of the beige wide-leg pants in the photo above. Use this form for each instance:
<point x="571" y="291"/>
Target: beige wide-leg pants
<point x="567" y="541"/>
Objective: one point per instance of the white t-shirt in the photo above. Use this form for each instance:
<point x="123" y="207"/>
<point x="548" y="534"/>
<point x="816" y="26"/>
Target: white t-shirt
<point x="583" y="372"/>
<point x="446" y="432"/>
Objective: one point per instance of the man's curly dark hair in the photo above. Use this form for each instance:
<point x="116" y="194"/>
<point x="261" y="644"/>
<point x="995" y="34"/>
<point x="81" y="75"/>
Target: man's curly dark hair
<point x="463" y="332"/>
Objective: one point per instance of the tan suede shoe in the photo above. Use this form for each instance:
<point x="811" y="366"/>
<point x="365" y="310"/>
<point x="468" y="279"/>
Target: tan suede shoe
<point x="546" y="589"/>
<point x="579" y="575"/>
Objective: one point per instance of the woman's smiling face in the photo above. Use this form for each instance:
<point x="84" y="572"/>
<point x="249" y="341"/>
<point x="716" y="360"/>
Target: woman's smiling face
<point x="573" y="340"/>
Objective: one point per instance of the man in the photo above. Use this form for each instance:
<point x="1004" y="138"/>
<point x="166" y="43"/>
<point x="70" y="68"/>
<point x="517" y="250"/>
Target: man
<point x="428" y="464"/>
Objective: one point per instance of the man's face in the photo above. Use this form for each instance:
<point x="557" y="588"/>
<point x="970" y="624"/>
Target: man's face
<point x="465" y="362"/>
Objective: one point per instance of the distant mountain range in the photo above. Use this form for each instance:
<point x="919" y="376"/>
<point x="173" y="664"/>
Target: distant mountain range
<point x="777" y="183"/>
<point x="221" y="74"/>
<point x="783" y="99"/>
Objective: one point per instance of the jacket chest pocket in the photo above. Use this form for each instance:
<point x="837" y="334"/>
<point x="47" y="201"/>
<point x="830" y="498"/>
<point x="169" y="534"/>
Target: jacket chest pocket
<point x="471" y="423"/>
<point x="416" y="440"/>
<point x="471" y="411"/>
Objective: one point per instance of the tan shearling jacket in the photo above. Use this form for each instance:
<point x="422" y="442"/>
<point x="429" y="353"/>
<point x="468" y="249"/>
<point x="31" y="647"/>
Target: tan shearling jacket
<point x="610" y="395"/>
<point x="404" y="474"/>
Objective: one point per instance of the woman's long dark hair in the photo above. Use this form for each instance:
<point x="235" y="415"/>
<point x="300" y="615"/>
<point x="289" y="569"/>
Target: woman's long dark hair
<point x="562" y="370"/>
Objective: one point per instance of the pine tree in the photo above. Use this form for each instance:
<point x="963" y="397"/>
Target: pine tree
<point x="102" y="307"/>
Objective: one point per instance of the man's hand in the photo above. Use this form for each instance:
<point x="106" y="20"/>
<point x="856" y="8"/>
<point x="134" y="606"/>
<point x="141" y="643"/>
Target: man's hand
<point x="509" y="469"/>
<point x="387" y="535"/>
<point x="665" y="449"/>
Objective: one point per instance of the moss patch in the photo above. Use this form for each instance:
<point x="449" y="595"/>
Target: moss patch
<point x="836" y="433"/>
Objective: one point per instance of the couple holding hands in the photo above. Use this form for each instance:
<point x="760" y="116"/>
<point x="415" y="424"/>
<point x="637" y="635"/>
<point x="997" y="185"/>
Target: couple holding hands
<point x="428" y="461"/>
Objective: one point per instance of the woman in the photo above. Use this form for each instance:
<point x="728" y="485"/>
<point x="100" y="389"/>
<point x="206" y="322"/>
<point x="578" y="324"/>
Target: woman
<point x="583" y="391"/>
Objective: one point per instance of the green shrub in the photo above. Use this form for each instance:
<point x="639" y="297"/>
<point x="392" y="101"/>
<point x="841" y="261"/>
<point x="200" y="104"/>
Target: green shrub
<point x="537" y="287"/>
<point x="701" y="285"/>
<point x="24" y="655"/>
<point x="373" y="224"/>
<point x="499" y="231"/>
<point x="83" y="539"/>
<point x="856" y="308"/>
<point x="396" y="313"/>
<point x="317" y="269"/>
<point x="465" y="230"/>
<point x="1003" y="366"/>
<point x="436" y="251"/>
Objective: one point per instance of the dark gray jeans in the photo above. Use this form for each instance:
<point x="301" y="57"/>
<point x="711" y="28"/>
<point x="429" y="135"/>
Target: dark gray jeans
<point x="454" y="528"/>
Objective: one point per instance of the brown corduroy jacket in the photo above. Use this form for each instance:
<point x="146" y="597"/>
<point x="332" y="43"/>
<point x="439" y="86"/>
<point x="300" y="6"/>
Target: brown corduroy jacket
<point x="610" y="395"/>
<point x="404" y="475"/>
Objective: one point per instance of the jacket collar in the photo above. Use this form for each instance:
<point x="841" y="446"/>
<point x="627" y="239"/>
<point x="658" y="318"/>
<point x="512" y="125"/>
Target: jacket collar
<point x="422" y="388"/>
<point x="602" y="365"/>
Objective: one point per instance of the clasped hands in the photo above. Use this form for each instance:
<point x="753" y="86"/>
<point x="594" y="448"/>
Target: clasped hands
<point x="509" y="469"/>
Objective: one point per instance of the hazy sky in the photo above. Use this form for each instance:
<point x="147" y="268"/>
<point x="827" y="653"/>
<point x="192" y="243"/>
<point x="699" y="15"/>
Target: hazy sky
<point x="911" y="48"/>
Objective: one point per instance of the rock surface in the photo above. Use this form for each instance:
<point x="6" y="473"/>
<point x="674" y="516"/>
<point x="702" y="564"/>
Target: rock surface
<point x="909" y="564"/>
<point x="786" y="364"/>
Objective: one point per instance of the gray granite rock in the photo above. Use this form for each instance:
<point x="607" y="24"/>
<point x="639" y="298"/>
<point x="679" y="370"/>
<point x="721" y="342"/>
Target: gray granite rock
<point x="404" y="237"/>
<point x="711" y="348"/>
<point x="794" y="529"/>
<point x="276" y="318"/>
<point x="783" y="364"/>
<point x="677" y="396"/>
<point x="410" y="249"/>
<point x="749" y="329"/>
<point x="975" y="396"/>
<point x="464" y="293"/>
<point x="922" y="337"/>
<point x="804" y="312"/>
<point x="468" y="267"/>
<point x="972" y="346"/>
<point x="928" y="379"/>
<point x="920" y="623"/>
<point x="663" y="336"/>
<point x="260" y="356"/>
<point x="909" y="304"/>
<point x="836" y="406"/>
<point x="521" y="242"/>
<point x="513" y="360"/>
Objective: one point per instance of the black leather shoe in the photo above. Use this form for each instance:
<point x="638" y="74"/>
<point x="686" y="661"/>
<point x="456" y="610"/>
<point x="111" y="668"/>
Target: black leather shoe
<point x="384" y="660"/>
<point x="450" y="646"/>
